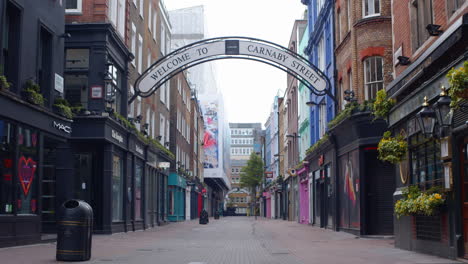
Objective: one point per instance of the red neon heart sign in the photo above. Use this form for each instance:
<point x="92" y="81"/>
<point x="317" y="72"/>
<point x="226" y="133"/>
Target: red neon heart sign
<point x="26" y="170"/>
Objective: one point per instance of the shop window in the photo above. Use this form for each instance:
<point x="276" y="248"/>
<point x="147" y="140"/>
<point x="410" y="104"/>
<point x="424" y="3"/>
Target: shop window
<point x="373" y="76"/>
<point x="322" y="119"/>
<point x="138" y="190"/>
<point x="425" y="162"/>
<point x="371" y="8"/>
<point x="28" y="161"/>
<point x="6" y="167"/>
<point x="11" y="42"/>
<point x="421" y="16"/>
<point x="73" y="6"/>
<point x="117" y="189"/>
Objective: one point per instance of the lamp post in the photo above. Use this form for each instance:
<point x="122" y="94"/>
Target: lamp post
<point x="443" y="111"/>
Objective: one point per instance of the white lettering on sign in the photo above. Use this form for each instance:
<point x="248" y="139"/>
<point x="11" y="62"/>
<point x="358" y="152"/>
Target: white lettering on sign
<point x="139" y="149"/>
<point x="62" y="127"/>
<point x="117" y="136"/>
<point x="160" y="72"/>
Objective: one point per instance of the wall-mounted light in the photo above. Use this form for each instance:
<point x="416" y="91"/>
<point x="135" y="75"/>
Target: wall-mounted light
<point x="433" y="29"/>
<point x="310" y="103"/>
<point x="65" y="35"/>
<point x="138" y="118"/>
<point x="426" y="119"/>
<point x="349" y="96"/>
<point x="402" y="60"/>
<point x="158" y="137"/>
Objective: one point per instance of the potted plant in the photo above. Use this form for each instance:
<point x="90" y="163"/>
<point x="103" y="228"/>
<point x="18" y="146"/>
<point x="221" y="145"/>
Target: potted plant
<point x="4" y="84"/>
<point x="62" y="107"/>
<point x="458" y="81"/>
<point x="382" y="104"/>
<point x="392" y="149"/>
<point x="416" y="202"/>
<point x="32" y="93"/>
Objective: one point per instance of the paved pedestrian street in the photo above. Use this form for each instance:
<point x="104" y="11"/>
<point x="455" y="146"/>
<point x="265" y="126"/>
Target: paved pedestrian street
<point x="236" y="240"/>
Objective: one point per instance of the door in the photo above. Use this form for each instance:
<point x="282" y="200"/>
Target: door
<point x="83" y="174"/>
<point x="464" y="178"/>
<point x="48" y="197"/>
<point x="379" y="195"/>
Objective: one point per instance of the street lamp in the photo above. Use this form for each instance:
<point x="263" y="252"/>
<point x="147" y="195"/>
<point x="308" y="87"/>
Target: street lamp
<point x="426" y="119"/>
<point x="442" y="109"/>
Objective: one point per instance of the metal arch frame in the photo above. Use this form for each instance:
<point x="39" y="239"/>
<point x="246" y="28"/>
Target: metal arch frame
<point x="289" y="71"/>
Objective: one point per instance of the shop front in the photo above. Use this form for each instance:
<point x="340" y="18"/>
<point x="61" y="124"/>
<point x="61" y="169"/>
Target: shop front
<point x="35" y="158"/>
<point x="176" y="202"/>
<point x="303" y="195"/>
<point x="436" y="153"/>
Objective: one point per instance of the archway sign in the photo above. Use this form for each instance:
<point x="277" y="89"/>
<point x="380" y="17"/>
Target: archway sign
<point x="231" y="48"/>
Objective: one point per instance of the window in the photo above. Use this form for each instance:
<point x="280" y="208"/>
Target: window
<point x="319" y="5"/>
<point x="133" y="38"/>
<point x="155" y="18"/>
<point x="138" y="198"/>
<point x="179" y="85"/>
<point x="338" y="26"/>
<point x="76" y="77"/>
<point x="162" y="93"/>
<point x="343" y="101"/>
<point x="138" y="108"/>
<point x="421" y="16"/>
<point x="113" y="91"/>
<point x="426" y="165"/>
<point x="321" y="54"/>
<point x="350" y="80"/>
<point x="117" y="189"/>
<point x="150" y="16"/>
<point x="322" y="119"/>
<point x="371" y="8"/>
<point x="348" y="14"/>
<point x="140" y="53"/>
<point x="131" y="107"/>
<point x="163" y="40"/>
<point x="373" y="76"/>
<point x="153" y="125"/>
<point x="11" y="42"/>
<point x="149" y="59"/>
<point x="167" y="133"/>
<point x="141" y="7"/>
<point x="117" y="15"/>
<point x="161" y="128"/>
<point x="73" y="6"/>
<point x="168" y="94"/>
<point x="453" y="5"/>
<point x="7" y="155"/>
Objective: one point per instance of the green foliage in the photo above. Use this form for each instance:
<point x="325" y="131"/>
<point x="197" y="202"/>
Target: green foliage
<point x="63" y="107"/>
<point x="147" y="140"/>
<point x="415" y="202"/>
<point x="382" y="104"/>
<point x="458" y="80"/>
<point x="33" y="93"/>
<point x="317" y="144"/>
<point x="4" y="84"/>
<point x="77" y="109"/>
<point x="252" y="173"/>
<point x="350" y="108"/>
<point x="392" y="149"/>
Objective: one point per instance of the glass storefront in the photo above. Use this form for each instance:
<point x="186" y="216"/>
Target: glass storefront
<point x="117" y="189"/>
<point x="18" y="182"/>
<point x="138" y="191"/>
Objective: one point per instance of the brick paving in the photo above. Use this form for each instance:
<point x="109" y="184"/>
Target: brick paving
<point x="236" y="240"/>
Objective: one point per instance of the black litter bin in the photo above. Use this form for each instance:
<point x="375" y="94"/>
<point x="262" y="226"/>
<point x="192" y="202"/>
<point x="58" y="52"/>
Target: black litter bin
<point x="74" y="231"/>
<point x="204" y="218"/>
<point x="216" y="215"/>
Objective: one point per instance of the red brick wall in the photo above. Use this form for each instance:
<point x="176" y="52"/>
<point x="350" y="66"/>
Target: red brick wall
<point x="402" y="28"/>
<point x="92" y="11"/>
<point x="366" y="37"/>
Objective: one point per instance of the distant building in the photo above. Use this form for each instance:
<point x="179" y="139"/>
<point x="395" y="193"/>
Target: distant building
<point x="245" y="140"/>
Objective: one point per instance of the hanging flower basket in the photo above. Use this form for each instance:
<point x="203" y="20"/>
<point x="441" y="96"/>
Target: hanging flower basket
<point x="392" y="149"/>
<point x="458" y="81"/>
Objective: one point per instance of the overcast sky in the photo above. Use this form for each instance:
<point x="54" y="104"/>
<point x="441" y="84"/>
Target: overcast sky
<point x="248" y="87"/>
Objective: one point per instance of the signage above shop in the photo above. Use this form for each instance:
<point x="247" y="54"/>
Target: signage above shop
<point x="117" y="136"/>
<point x="268" y="174"/>
<point x="164" y="165"/>
<point x="61" y="127"/>
<point x="232" y="47"/>
<point x="139" y="149"/>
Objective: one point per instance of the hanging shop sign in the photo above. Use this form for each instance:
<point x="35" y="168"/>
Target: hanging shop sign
<point x="268" y="174"/>
<point x="231" y="47"/>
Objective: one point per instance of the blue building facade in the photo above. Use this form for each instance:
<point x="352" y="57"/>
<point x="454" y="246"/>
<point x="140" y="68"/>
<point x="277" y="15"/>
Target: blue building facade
<point x="320" y="52"/>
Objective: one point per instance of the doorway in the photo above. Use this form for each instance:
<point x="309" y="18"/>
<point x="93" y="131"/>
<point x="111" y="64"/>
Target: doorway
<point x="48" y="195"/>
<point x="464" y="185"/>
<point x="83" y="175"/>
